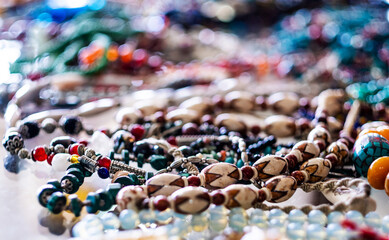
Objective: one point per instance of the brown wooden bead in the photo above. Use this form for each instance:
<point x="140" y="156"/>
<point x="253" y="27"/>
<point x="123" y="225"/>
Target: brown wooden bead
<point x="292" y="161"/>
<point x="262" y="196"/>
<point x="270" y="166"/>
<point x="308" y="149"/>
<point x="333" y="159"/>
<point x="247" y="172"/>
<point x="299" y="176"/>
<point x="240" y="195"/>
<point x="218" y="197"/>
<point x="281" y="187"/>
<point x="161" y="203"/>
<point x="194" y="181"/>
<point x="220" y="175"/>
<point x="318" y="168"/>
<point x="191" y="200"/>
<point x="164" y="184"/>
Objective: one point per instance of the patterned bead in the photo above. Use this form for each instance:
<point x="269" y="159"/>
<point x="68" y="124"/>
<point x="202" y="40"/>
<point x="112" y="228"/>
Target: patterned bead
<point x="70" y="183"/>
<point x="29" y="129"/>
<point x="44" y="193"/>
<point x="164" y="184"/>
<point x="56" y="203"/>
<point x="191" y="200"/>
<point x="318" y="169"/>
<point x="49" y="125"/>
<point x="340" y="150"/>
<point x="368" y="148"/>
<point x="129" y="196"/>
<point x="240" y="195"/>
<point x="317" y="217"/>
<point x="220" y="175"/>
<point x="122" y="140"/>
<point x="128" y="219"/>
<point x="281" y="187"/>
<point x="13" y="142"/>
<point x="71" y="124"/>
<point x="270" y="166"/>
<point x="319" y="133"/>
<point x="308" y="149"/>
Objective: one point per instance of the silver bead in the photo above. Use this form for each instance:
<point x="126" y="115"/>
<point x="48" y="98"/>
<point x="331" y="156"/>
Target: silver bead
<point x="49" y="125"/>
<point x="90" y="153"/>
<point x="23" y="153"/>
<point x="59" y="148"/>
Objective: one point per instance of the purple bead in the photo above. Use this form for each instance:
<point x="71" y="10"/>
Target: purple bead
<point x="103" y="173"/>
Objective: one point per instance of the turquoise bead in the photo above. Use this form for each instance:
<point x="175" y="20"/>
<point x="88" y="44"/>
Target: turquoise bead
<point x="277" y="214"/>
<point x="296" y="215"/>
<point x="354" y="216"/>
<point x="373" y="219"/>
<point x="75" y="205"/>
<point x="368" y="148"/>
<point x="229" y="160"/>
<point x="44" y="193"/>
<point x="158" y="162"/>
<point x="56" y="203"/>
<point x="106" y="200"/>
<point x="113" y="189"/>
<point x="336" y="232"/>
<point x="78" y="173"/>
<point x="94" y="201"/>
<point x="128" y="219"/>
<point x="147" y="216"/>
<point x="72" y="184"/>
<point x="258" y="218"/>
<point x="164" y="216"/>
<point x="295" y="231"/>
<point x="335" y="217"/>
<point x="316" y="232"/>
<point x="240" y="163"/>
<point x="385" y="224"/>
<point x="55" y="183"/>
<point x="317" y="217"/>
<point x="110" y="221"/>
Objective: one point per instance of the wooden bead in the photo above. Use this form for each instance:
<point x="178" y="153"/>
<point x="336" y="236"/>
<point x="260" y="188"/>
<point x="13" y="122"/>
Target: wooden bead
<point x="319" y="133"/>
<point x="284" y="102"/>
<point x="240" y="101"/>
<point x="190" y="200"/>
<point x="147" y="108"/>
<point x="300" y="176"/>
<point x="339" y="149"/>
<point x="308" y="149"/>
<point x="218" y="197"/>
<point x="240" y="195"/>
<point x="318" y="169"/>
<point x="220" y="175"/>
<point x="130" y="197"/>
<point x="270" y="166"/>
<point x="281" y="188"/>
<point x="377" y="172"/>
<point x="165" y="184"/>
<point x="280" y="126"/>
<point x="231" y="122"/>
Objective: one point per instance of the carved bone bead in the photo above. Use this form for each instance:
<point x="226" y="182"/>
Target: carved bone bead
<point x="308" y="149"/>
<point x="190" y="200"/>
<point x="165" y="184"/>
<point x="318" y="169"/>
<point x="281" y="188"/>
<point x="198" y="104"/>
<point x="229" y="121"/>
<point x="270" y="166"/>
<point x="284" y="102"/>
<point x="240" y="195"/>
<point x="319" y="133"/>
<point x="339" y="149"/>
<point x="220" y="175"/>
<point x="129" y="197"/>
<point x="240" y="101"/>
<point x="280" y="126"/>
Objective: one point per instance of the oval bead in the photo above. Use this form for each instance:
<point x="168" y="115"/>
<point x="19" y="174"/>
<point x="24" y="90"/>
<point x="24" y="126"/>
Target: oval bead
<point x="318" y="169"/>
<point x="164" y="184"/>
<point x="280" y="126"/>
<point x="220" y="175"/>
<point x="191" y="200"/>
<point x="319" y="133"/>
<point x="240" y="195"/>
<point x="127" y="116"/>
<point x="185" y="115"/>
<point x="240" y="101"/>
<point x="63" y="140"/>
<point x="308" y="149"/>
<point x="198" y="104"/>
<point x="284" y="102"/>
<point x="281" y="188"/>
<point x="270" y="166"/>
<point x="339" y="149"/>
<point x="129" y="197"/>
<point x="231" y="122"/>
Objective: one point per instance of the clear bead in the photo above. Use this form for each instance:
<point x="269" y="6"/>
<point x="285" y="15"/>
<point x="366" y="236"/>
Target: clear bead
<point x="385" y="224"/>
<point x="295" y="231"/>
<point x="237" y="220"/>
<point x="335" y="217"/>
<point x="297" y="216"/>
<point x="147" y="216"/>
<point x="199" y="222"/>
<point x="258" y="218"/>
<point x="373" y="219"/>
<point x="129" y="219"/>
<point x="218" y="218"/>
<point x="277" y="224"/>
<point x="110" y="221"/>
<point x="277" y="214"/>
<point x="354" y="216"/>
<point x="316" y="232"/>
<point x="318" y="217"/>
<point x="336" y="232"/>
<point x="164" y="217"/>
<point x="182" y="226"/>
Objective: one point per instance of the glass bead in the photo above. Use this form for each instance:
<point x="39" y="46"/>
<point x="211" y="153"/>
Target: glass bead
<point x="93" y="226"/>
<point x="385" y="224"/>
<point x="103" y="173"/>
<point x="39" y="154"/>
<point x="164" y="216"/>
<point x="110" y="221"/>
<point x="94" y="200"/>
<point x="316" y="232"/>
<point x="237" y="220"/>
<point x="377" y="172"/>
<point x="60" y="162"/>
<point x="128" y="219"/>
<point x="199" y="222"/>
<point x="354" y="216"/>
<point x="317" y="217"/>
<point x="29" y="129"/>
<point x="147" y="216"/>
<point x="258" y="218"/>
<point x="179" y="216"/>
<point x="277" y="224"/>
<point x="295" y="231"/>
<point x="74" y="159"/>
<point x="104" y="162"/>
<point x="296" y="215"/>
<point x="277" y="214"/>
<point x="218" y="218"/>
<point x="335" y="217"/>
<point x="373" y="219"/>
<point x="158" y="162"/>
<point x="182" y="226"/>
<point x="336" y="232"/>
<point x="71" y="124"/>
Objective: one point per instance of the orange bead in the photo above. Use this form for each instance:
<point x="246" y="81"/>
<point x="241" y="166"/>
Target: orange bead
<point x="387" y="184"/>
<point x="383" y="131"/>
<point x="363" y="132"/>
<point x="112" y="53"/>
<point x="377" y="173"/>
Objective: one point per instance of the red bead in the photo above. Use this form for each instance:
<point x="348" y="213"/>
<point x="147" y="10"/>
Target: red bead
<point x="161" y="203"/>
<point x="261" y="195"/>
<point x="247" y="172"/>
<point x="84" y="142"/>
<point x="104" y="162"/>
<point x="39" y="154"/>
<point x="194" y="181"/>
<point x="138" y="131"/>
<point x="218" y="198"/>
<point x="333" y="159"/>
<point x="50" y="158"/>
<point x="172" y="140"/>
<point x="73" y="149"/>
<point x="348" y="224"/>
<point x="367" y="233"/>
<point x="255" y="129"/>
<point x="190" y="129"/>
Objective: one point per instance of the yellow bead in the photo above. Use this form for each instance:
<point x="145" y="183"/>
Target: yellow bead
<point x="74" y="159"/>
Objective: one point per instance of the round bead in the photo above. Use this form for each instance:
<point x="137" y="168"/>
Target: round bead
<point x="368" y="148"/>
<point x="258" y="218"/>
<point x="104" y="162"/>
<point x="383" y="131"/>
<point x="71" y="124"/>
<point x="200" y="222"/>
<point x="373" y="219"/>
<point x="218" y="197"/>
<point x="29" y="129"/>
<point x="39" y="154"/>
<point x="377" y="172"/>
<point x="295" y="230"/>
<point x="164" y="217"/>
<point x="385" y="224"/>
<point x="137" y="131"/>
<point x="128" y="219"/>
<point x="146" y="216"/>
<point x="299" y="176"/>
<point x="190" y="129"/>
<point x="317" y="217"/>
<point x="354" y="216"/>
<point x="247" y="173"/>
<point x="262" y="195"/>
<point x="296" y="215"/>
<point x="56" y="203"/>
<point x="23" y="153"/>
<point x="194" y="181"/>
<point x="336" y="231"/>
<point x="103" y="173"/>
<point x="335" y="217"/>
<point x="387" y="184"/>
<point x="161" y="203"/>
<point x="110" y="221"/>
<point x="122" y="140"/>
<point x="49" y="125"/>
<point x="13" y="142"/>
<point x="44" y="193"/>
<point x="277" y="214"/>
<point x="237" y="220"/>
<point x="77" y="149"/>
<point x="316" y="232"/>
<point x="191" y="200"/>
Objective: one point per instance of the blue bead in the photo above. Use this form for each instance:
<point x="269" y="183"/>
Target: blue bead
<point x="316" y="232"/>
<point x="258" y="218"/>
<point x="181" y="226"/>
<point x="277" y="214"/>
<point x="93" y="225"/>
<point x="128" y="219"/>
<point x="297" y="216"/>
<point x="103" y="173"/>
<point x="110" y="221"/>
<point x="276" y="223"/>
<point x="147" y="216"/>
<point x="237" y="221"/>
<point x="373" y="219"/>
<point x="318" y="217"/>
<point x="164" y="216"/>
<point x="335" y="217"/>
<point x="295" y="231"/>
<point x="385" y="224"/>
<point x="354" y="216"/>
<point x="336" y="232"/>
<point x="11" y="163"/>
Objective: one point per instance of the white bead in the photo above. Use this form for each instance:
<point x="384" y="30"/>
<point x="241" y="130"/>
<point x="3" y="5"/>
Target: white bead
<point x="295" y="230"/>
<point x="60" y="161"/>
<point x="101" y="143"/>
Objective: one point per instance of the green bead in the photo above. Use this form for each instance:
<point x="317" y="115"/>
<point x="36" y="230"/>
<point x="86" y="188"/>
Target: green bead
<point x="126" y="156"/>
<point x="70" y="183"/>
<point x="240" y="163"/>
<point x="44" y="193"/>
<point x="55" y="183"/>
<point x="106" y="200"/>
<point x="124" y="181"/>
<point x="134" y="179"/>
<point x="87" y="173"/>
<point x="229" y="160"/>
<point x="93" y="202"/>
<point x="78" y="173"/>
<point x="75" y="205"/>
<point x="268" y="150"/>
<point x="113" y="190"/>
<point x="76" y="165"/>
<point x="140" y="158"/>
<point x="158" y="162"/>
<point x="149" y="175"/>
<point x="56" y="203"/>
<point x="112" y="155"/>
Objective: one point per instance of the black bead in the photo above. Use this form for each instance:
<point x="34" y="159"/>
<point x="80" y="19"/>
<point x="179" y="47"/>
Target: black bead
<point x="29" y="129"/>
<point x="143" y="148"/>
<point x="13" y="142"/>
<point x="158" y="150"/>
<point x="186" y="151"/>
<point x="63" y="140"/>
<point x="71" y="124"/>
